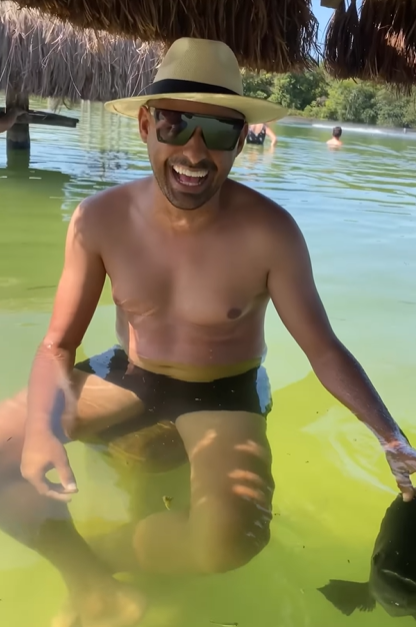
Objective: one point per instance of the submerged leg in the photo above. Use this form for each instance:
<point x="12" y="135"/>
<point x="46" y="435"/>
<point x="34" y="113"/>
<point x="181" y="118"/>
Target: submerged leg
<point x="231" y="502"/>
<point x="45" y="525"/>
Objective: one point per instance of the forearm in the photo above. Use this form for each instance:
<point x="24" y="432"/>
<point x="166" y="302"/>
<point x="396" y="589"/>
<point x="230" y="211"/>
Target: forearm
<point x="342" y="375"/>
<point x="49" y="393"/>
<point x="7" y="120"/>
<point x="271" y="136"/>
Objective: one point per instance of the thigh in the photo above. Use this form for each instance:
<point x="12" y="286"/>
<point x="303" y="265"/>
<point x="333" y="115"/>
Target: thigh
<point x="99" y="396"/>
<point x="231" y="481"/>
<point x="100" y="404"/>
<point x="104" y="394"/>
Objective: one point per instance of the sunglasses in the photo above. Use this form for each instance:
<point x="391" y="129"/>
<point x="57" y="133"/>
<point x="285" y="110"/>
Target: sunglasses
<point x="177" y="127"/>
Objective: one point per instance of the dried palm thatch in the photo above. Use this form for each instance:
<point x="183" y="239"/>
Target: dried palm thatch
<point x="273" y="35"/>
<point x="390" y="27"/>
<point x="378" y="44"/>
<point x="341" y="35"/>
<point x="47" y="58"/>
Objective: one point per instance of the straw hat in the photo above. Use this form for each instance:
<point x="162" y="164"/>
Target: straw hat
<point x="205" y="71"/>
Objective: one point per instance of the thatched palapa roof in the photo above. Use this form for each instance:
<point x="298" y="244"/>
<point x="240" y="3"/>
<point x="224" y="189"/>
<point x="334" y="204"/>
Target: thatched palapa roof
<point x="42" y="56"/>
<point x="275" y="35"/>
<point x="377" y="41"/>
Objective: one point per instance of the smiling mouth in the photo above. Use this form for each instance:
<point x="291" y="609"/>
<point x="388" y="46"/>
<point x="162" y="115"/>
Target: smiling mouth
<point x="189" y="177"/>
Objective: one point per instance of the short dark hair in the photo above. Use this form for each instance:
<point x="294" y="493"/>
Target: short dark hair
<point x="337" y="132"/>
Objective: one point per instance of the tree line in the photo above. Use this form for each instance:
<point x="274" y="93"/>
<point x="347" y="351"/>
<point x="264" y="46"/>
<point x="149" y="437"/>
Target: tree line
<point x="314" y="94"/>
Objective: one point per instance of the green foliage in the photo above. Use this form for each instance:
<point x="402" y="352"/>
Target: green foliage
<point x="314" y="94"/>
<point x="258" y="85"/>
<point x="351" y="102"/>
<point x="394" y="111"/>
<point x="298" y="91"/>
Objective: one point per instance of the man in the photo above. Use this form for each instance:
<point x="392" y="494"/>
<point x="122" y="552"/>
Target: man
<point x="194" y="259"/>
<point x="335" y="141"/>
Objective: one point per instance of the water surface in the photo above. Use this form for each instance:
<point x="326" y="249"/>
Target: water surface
<point x="357" y="210"/>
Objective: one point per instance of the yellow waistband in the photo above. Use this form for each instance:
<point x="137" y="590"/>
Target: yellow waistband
<point x="197" y="374"/>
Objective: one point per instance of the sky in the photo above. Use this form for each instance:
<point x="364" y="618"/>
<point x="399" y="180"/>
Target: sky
<point x="323" y="14"/>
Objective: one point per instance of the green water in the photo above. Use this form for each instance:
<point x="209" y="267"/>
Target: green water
<point x="357" y="210"/>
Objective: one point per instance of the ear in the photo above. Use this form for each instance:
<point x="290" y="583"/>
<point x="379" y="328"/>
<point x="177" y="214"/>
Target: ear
<point x="242" y="139"/>
<point x="144" y="119"/>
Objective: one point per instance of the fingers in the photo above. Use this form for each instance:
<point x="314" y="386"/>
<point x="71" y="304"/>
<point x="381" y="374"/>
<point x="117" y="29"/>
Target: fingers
<point x="60" y="492"/>
<point x="66" y="476"/>
<point x="44" y="487"/>
<point x="56" y="495"/>
<point x="405" y="485"/>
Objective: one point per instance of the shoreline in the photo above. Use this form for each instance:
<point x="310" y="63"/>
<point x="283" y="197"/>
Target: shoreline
<point x="298" y="120"/>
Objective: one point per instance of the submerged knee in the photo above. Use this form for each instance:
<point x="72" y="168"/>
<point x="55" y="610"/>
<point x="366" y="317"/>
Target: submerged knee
<point x="231" y="553"/>
<point x="231" y="544"/>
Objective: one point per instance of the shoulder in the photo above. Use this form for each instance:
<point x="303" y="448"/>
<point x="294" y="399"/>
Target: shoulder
<point x="100" y="218"/>
<point x="117" y="199"/>
<point x="259" y="210"/>
<point x="109" y="208"/>
<point x="271" y="227"/>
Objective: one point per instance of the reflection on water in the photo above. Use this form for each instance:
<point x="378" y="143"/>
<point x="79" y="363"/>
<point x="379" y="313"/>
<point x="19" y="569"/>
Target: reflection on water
<point x="357" y="210"/>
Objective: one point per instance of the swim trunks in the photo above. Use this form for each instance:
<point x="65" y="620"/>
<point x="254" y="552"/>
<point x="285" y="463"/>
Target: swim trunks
<point x="166" y="398"/>
<point x="258" y="140"/>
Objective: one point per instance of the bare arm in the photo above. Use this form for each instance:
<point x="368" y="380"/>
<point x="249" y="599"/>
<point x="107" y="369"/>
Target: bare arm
<point x="271" y="135"/>
<point x="77" y="296"/>
<point x="7" y="120"/>
<point x="294" y="294"/>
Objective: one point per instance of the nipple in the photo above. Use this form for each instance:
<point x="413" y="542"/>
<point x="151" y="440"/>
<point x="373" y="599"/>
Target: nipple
<point x="234" y="313"/>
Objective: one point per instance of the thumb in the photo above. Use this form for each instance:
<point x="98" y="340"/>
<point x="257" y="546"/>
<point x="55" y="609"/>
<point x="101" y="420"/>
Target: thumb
<point x="405" y="486"/>
<point x="66" y="476"/>
<point x="408" y="495"/>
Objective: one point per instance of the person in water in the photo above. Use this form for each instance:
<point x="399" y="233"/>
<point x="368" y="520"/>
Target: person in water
<point x="335" y="141"/>
<point x="194" y="258"/>
<point x="257" y="134"/>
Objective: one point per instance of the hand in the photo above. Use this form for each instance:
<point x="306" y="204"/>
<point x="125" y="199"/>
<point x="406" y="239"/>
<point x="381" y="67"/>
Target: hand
<point x="41" y="453"/>
<point x="15" y="112"/>
<point x="401" y="458"/>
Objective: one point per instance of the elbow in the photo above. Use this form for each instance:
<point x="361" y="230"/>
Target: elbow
<point x="327" y="356"/>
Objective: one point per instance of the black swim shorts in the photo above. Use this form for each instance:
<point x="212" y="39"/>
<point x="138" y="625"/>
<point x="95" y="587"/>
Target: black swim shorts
<point x="166" y="398"/>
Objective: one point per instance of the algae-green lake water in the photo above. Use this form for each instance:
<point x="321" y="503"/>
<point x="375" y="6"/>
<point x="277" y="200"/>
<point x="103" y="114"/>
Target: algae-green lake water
<point x="357" y="209"/>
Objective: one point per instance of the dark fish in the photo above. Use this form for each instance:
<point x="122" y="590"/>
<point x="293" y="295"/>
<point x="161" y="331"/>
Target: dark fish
<point x="392" y="581"/>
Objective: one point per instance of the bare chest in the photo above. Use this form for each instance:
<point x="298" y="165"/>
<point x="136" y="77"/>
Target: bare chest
<point x="207" y="283"/>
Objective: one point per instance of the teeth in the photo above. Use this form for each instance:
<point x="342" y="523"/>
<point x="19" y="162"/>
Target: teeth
<point x="197" y="174"/>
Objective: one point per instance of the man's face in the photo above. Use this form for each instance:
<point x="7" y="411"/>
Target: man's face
<point x="189" y="175"/>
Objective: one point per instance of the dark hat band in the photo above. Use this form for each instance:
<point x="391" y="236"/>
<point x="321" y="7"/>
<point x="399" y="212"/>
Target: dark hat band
<point x="177" y="86"/>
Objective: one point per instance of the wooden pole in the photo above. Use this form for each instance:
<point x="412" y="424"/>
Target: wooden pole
<point x="18" y="137"/>
<point x="18" y="160"/>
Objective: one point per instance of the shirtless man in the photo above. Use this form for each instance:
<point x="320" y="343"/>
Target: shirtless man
<point x="194" y="259"/>
<point x="335" y="141"/>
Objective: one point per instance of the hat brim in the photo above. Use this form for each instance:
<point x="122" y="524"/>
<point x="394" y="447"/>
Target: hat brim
<point x="255" y="110"/>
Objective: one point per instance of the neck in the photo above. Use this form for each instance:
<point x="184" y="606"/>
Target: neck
<point x="182" y="220"/>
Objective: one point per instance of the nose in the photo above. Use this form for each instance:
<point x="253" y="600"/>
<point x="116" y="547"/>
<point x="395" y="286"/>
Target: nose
<point x="195" y="149"/>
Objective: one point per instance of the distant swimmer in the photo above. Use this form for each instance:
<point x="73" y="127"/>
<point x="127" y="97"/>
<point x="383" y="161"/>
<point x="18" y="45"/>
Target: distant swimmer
<point x="335" y="141"/>
<point x="257" y="134"/>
